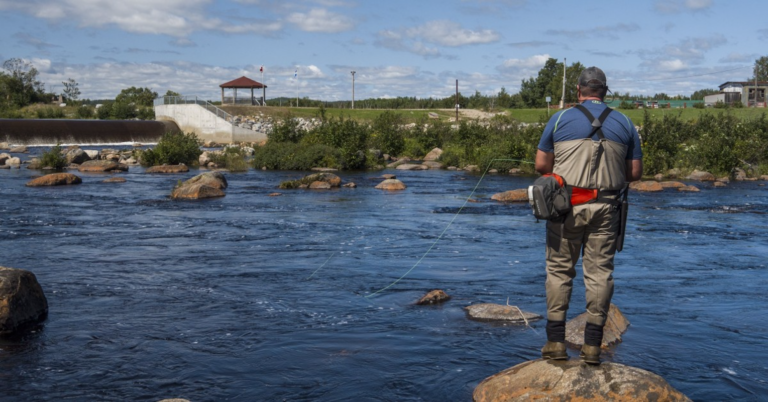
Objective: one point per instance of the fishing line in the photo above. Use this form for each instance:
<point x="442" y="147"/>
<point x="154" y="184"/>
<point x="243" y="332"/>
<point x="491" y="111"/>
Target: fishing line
<point x="326" y="261"/>
<point x="446" y="228"/>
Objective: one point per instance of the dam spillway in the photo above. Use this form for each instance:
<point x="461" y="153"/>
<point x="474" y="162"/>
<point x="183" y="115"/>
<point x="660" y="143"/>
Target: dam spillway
<point x="64" y="131"/>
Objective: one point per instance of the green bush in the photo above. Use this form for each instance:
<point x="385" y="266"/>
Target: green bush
<point x="146" y="113"/>
<point x="626" y="105"/>
<point x="104" y="111"/>
<point x="173" y="148"/>
<point x="84" y="112"/>
<point x="123" y="111"/>
<point x="286" y="130"/>
<point x="233" y="159"/>
<point x="291" y="156"/>
<point x="50" y="113"/>
<point x="347" y="136"/>
<point x="387" y="133"/>
<point x="699" y="105"/>
<point x="53" y="158"/>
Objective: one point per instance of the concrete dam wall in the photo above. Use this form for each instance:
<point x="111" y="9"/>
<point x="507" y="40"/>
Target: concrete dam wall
<point x="40" y="132"/>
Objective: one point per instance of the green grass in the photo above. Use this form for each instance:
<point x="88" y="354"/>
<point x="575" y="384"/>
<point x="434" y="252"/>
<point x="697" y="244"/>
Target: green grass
<point x="359" y="115"/>
<point x="636" y="115"/>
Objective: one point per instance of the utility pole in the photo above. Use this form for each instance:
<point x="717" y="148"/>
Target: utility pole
<point x="457" y="101"/>
<point x="562" y="100"/>
<point x="353" y="89"/>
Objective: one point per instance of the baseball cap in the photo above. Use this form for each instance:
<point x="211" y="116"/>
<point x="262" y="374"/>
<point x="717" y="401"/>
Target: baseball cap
<point x="592" y="77"/>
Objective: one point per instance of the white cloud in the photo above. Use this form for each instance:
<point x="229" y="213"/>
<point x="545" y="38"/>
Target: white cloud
<point x="678" y="6"/>
<point x="613" y="31"/>
<point x="321" y="20"/>
<point x="698" y="4"/>
<point x="685" y="53"/>
<point x="536" y="62"/>
<point x="734" y="57"/>
<point x="176" y="18"/>
<point x="515" y="70"/>
<point x="671" y="65"/>
<point x="449" y="33"/>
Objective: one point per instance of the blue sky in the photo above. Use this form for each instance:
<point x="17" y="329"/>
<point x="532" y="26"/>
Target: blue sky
<point x="398" y="48"/>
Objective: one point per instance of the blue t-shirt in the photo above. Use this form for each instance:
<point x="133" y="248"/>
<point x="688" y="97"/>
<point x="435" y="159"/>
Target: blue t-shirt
<point x="572" y="124"/>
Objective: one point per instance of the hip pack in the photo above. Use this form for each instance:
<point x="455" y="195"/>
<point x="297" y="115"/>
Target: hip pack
<point x="549" y="197"/>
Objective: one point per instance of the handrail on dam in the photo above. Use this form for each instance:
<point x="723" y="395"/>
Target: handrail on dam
<point x="187" y="100"/>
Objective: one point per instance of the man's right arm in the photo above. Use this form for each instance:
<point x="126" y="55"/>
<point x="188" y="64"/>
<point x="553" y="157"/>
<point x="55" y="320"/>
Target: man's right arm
<point x="634" y="169"/>
<point x="545" y="161"/>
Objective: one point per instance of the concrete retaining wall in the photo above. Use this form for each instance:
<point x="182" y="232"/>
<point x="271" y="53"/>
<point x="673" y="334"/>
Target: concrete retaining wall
<point x="208" y="126"/>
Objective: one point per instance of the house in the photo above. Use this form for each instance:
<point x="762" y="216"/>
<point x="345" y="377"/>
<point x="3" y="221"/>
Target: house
<point x="740" y="91"/>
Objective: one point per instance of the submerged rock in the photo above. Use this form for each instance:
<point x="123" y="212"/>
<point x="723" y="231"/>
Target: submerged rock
<point x="22" y="301"/>
<point x="391" y="185"/>
<point x="672" y="184"/>
<point x="434" y="154"/>
<point x="692" y="189"/>
<point x="168" y="169"/>
<point x="55" y="179"/>
<point x="572" y="380"/>
<point x="434" y="297"/>
<point x="519" y="195"/>
<point x="497" y="312"/>
<point x="114" y="180"/>
<point x="615" y="325"/>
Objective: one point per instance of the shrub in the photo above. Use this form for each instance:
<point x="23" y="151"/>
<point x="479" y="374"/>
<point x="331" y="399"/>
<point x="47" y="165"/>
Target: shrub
<point x="699" y="105"/>
<point x="626" y="105"/>
<point x="291" y="156"/>
<point x="53" y="158"/>
<point x="720" y="105"/>
<point x="50" y="113"/>
<point x="387" y="134"/>
<point x="123" y="111"/>
<point x="286" y="130"/>
<point x="84" y="112"/>
<point x="105" y="111"/>
<point x="146" y="113"/>
<point x="233" y="159"/>
<point x="173" y="148"/>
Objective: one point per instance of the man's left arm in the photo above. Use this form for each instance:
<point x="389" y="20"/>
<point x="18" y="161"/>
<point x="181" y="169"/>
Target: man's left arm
<point x="545" y="161"/>
<point x="634" y="169"/>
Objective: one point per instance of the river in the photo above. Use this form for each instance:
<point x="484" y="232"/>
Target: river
<point x="251" y="297"/>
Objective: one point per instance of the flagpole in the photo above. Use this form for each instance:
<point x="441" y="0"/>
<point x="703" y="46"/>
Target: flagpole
<point x="296" y="75"/>
<point x="263" y="89"/>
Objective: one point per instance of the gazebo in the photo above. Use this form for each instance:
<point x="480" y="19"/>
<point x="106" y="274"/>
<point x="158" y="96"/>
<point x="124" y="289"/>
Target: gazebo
<point x="244" y="82"/>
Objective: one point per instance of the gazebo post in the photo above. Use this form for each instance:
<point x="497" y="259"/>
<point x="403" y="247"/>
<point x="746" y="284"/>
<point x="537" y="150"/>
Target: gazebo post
<point x="222" y="95"/>
<point x="263" y="95"/>
<point x="234" y="99"/>
<point x="251" y="96"/>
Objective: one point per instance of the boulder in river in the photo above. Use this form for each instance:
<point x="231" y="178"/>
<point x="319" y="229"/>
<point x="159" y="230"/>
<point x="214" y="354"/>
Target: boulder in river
<point x="701" y="176"/>
<point x="689" y="188"/>
<point x="101" y="166"/>
<point x="114" y="180"/>
<point x="672" y="184"/>
<point x="498" y="312"/>
<point x="519" y="195"/>
<point x="764" y="177"/>
<point x="22" y="301"/>
<point x="615" y="325"/>
<point x="572" y="380"/>
<point x="4" y="145"/>
<point x="204" y="185"/>
<point x="434" y="297"/>
<point x="434" y="154"/>
<point x="55" y="179"/>
<point x="388" y="176"/>
<point x="76" y="155"/>
<point x="391" y="185"/>
<point x="412" y="166"/>
<point x="14" y="161"/>
<point x="21" y="149"/>
<point x="720" y="184"/>
<point x="398" y="162"/>
<point x="4" y="157"/>
<point x="646" y="186"/>
<point x="432" y="164"/>
<point x="168" y="169"/>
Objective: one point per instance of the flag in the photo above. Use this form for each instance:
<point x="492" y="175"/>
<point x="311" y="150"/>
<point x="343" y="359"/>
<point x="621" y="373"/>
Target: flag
<point x="261" y="69"/>
<point x="295" y="73"/>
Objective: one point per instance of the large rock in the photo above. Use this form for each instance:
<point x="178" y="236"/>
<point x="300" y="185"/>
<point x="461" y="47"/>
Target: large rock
<point x="615" y="325"/>
<point x="391" y="185"/>
<point x="21" y="149"/>
<point x="14" y="161"/>
<point x="168" y="169"/>
<point x="319" y="185"/>
<point x="398" y="162"/>
<point x="55" y="179"/>
<point x="101" y="166"/>
<point x="411" y="166"/>
<point x="519" y="195"/>
<point x="331" y="179"/>
<point x="572" y="380"/>
<point x="674" y="173"/>
<point x="4" y="157"/>
<point x="434" y="154"/>
<point x="691" y="189"/>
<point x="739" y="174"/>
<point x="114" y="180"/>
<point x="433" y="164"/>
<point x="76" y="155"/>
<point x="434" y="297"/>
<point x="4" y="145"/>
<point x="205" y="185"/>
<point x="22" y="301"/>
<point x="647" y="186"/>
<point x="701" y="176"/>
<point x="498" y="312"/>
<point x="92" y="153"/>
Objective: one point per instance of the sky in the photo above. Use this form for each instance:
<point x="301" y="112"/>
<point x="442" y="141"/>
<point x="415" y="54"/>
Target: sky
<point x="397" y="47"/>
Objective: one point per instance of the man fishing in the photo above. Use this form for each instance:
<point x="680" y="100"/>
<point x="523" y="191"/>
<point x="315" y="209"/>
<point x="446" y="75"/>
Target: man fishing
<point x="597" y="152"/>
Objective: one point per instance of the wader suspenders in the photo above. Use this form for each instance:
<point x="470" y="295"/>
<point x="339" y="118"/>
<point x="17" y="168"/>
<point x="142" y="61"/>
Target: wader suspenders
<point x="620" y="203"/>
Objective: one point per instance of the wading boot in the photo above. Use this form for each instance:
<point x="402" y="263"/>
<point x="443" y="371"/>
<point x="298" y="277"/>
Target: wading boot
<point x="593" y="338"/>
<point x="554" y="349"/>
<point x="590" y="354"/>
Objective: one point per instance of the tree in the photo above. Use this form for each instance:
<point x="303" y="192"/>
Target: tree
<point x="20" y="83"/>
<point x="534" y="91"/>
<point x="172" y="93"/>
<point x="71" y="89"/>
<point x="701" y="93"/>
<point x="137" y="96"/>
<point x="760" y="71"/>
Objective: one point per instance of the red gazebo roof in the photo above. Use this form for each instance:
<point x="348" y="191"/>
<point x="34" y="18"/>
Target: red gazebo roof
<point x="243" y="82"/>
